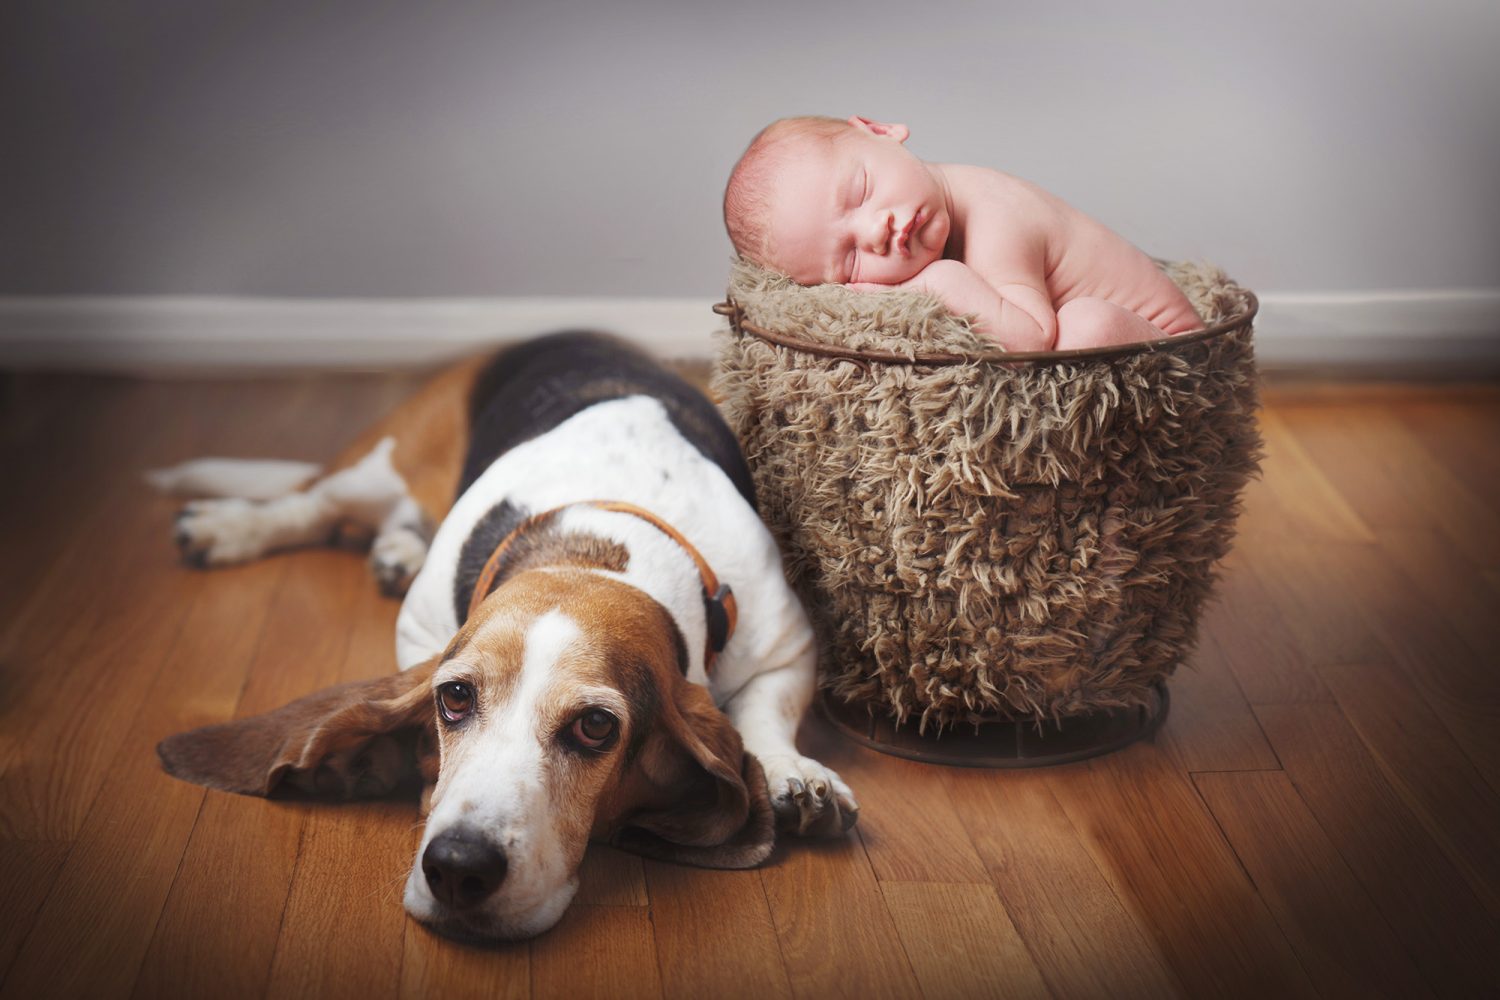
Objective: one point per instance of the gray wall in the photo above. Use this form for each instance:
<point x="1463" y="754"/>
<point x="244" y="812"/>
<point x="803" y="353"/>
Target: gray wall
<point x="363" y="148"/>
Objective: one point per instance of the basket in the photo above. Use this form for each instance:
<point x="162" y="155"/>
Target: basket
<point x="985" y="537"/>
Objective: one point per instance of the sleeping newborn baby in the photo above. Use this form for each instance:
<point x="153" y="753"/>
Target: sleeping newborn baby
<point x="823" y="200"/>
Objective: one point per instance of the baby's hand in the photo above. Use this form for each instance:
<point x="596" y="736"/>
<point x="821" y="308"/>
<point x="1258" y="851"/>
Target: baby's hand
<point x="953" y="281"/>
<point x="960" y="287"/>
<point x="965" y="293"/>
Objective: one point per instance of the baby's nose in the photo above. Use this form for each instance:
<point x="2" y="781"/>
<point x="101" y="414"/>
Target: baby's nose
<point x="878" y="232"/>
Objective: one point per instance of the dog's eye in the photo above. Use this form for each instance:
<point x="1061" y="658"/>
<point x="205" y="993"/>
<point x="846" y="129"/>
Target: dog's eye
<point x="594" y="729"/>
<point x="455" y="701"/>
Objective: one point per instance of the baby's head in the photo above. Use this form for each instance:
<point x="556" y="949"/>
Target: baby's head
<point x="825" y="199"/>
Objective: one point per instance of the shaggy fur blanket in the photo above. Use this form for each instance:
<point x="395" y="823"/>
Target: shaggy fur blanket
<point x="994" y="539"/>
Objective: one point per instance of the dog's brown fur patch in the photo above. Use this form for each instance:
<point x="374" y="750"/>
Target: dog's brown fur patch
<point x="550" y="546"/>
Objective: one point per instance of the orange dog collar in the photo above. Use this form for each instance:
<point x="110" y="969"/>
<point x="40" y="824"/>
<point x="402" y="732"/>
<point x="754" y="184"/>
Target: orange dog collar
<point x="720" y="610"/>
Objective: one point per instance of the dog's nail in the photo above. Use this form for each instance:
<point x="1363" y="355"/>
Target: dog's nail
<point x="847" y="819"/>
<point x="198" y="559"/>
<point x="820" y="790"/>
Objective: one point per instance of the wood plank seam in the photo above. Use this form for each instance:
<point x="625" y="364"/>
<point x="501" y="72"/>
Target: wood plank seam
<point x="1370" y="881"/>
<point x="1403" y="660"/>
<point x="1410" y="788"/>
<point x="1459" y="744"/>
<point x="1255" y="903"/>
<point x="286" y="903"/>
<point x="161" y="913"/>
<point x="1468" y="753"/>
<point x="147" y="686"/>
<point x="968" y="839"/>
<point x="775" y="934"/>
<point x="661" y="973"/>
<point x="1249" y="877"/>
<point x="31" y="927"/>
<point x="1101" y="882"/>
<point x="336" y="653"/>
<point x="886" y="905"/>
<point x="1251" y="710"/>
<point x="1229" y="842"/>
<point x="203" y="796"/>
<point x="1287" y="932"/>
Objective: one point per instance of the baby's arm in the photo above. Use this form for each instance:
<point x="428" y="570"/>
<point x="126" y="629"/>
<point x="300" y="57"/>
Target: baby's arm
<point x="1020" y="317"/>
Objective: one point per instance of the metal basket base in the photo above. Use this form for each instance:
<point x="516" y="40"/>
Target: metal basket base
<point x="1003" y="743"/>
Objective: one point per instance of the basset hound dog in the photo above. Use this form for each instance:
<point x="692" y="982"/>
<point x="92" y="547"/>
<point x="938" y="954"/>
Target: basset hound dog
<point x="598" y="641"/>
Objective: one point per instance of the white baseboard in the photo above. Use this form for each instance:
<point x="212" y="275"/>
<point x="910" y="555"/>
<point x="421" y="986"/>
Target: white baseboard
<point x="1453" y="333"/>
<point x="196" y="333"/>
<point x="1440" y="332"/>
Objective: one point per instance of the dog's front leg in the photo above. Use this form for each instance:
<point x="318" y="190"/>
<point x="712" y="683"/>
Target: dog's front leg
<point x="809" y="799"/>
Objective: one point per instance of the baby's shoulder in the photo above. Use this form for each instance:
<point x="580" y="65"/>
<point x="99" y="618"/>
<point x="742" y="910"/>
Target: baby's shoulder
<point x="992" y="183"/>
<point x="1008" y="219"/>
<point x="993" y="197"/>
<point x="1013" y="229"/>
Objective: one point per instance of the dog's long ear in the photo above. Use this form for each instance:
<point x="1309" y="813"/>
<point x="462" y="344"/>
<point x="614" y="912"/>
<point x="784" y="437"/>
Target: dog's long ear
<point x="723" y="817"/>
<point x="354" y="740"/>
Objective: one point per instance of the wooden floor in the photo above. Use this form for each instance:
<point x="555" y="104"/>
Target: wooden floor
<point x="1319" y="815"/>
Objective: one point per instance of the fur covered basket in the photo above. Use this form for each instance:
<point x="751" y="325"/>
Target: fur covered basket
<point x="982" y="536"/>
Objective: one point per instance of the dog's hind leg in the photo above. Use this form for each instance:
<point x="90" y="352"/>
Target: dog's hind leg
<point x="387" y="481"/>
<point x="370" y="494"/>
<point x="247" y="478"/>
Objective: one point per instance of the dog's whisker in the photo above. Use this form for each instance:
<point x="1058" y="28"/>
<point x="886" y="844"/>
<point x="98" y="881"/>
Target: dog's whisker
<point x="388" y="889"/>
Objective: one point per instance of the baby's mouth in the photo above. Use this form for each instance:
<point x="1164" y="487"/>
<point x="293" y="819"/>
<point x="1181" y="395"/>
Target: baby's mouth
<point x="903" y="238"/>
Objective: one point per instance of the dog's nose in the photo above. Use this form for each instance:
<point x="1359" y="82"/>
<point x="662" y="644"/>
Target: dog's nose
<point x="462" y="869"/>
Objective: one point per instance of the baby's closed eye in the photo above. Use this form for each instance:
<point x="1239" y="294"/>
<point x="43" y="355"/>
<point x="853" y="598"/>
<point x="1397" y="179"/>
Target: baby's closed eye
<point x="859" y="191"/>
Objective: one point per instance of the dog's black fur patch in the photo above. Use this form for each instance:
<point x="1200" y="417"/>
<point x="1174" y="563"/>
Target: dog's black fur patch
<point x="499" y="521"/>
<point x="531" y="388"/>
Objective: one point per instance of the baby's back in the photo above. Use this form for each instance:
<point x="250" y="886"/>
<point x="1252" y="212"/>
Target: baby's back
<point x="1074" y="255"/>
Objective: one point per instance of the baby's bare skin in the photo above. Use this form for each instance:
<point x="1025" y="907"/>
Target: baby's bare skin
<point x="1035" y="273"/>
<point x="1078" y="283"/>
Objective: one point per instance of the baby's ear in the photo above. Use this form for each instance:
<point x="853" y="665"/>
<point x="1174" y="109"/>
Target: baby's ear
<point x="897" y="132"/>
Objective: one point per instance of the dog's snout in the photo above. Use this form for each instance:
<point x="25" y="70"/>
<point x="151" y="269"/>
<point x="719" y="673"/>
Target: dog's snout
<point x="462" y="869"/>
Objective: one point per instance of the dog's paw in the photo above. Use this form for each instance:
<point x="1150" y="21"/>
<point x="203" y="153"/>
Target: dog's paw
<point x="395" y="557"/>
<point x="219" y="532"/>
<point x="809" y="800"/>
